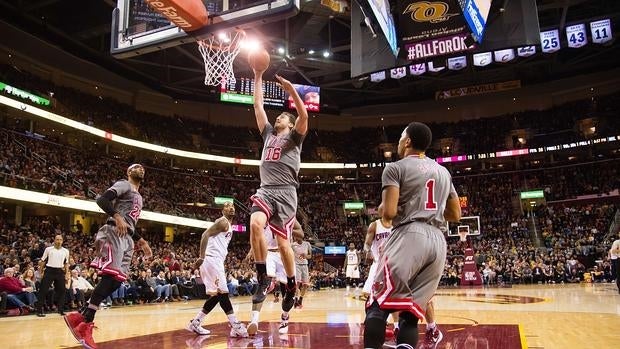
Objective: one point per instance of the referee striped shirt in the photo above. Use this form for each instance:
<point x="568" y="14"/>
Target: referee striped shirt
<point x="56" y="257"/>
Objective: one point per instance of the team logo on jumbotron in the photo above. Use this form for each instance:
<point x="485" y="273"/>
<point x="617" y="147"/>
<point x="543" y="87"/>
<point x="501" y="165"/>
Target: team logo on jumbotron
<point x="425" y="11"/>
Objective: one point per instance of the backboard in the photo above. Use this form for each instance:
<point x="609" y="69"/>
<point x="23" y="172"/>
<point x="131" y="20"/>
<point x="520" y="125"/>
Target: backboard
<point x="469" y="224"/>
<point x="137" y="29"/>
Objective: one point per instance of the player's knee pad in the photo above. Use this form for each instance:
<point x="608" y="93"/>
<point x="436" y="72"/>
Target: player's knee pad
<point x="408" y="329"/>
<point x="374" y="326"/>
<point x="374" y="311"/>
<point x="104" y="288"/>
<point x="225" y="303"/>
<point x="210" y="303"/>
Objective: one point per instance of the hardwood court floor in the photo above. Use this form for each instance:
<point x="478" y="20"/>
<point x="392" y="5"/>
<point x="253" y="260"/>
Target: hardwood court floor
<point x="539" y="316"/>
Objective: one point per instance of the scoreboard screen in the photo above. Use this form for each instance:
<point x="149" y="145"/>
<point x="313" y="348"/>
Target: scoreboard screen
<point x="241" y="91"/>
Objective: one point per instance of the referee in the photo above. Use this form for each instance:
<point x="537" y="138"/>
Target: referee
<point x="56" y="262"/>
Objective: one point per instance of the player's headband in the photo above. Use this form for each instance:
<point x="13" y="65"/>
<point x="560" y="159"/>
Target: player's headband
<point x="131" y="167"/>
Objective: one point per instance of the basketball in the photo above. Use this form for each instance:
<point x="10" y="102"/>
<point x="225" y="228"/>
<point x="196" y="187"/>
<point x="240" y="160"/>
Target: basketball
<point x="259" y="60"/>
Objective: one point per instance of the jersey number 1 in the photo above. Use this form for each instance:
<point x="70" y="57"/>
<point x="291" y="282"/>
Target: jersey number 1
<point x="430" y="204"/>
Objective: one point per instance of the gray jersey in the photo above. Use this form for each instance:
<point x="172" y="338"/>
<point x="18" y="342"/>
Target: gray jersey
<point x="299" y="249"/>
<point x="281" y="158"/>
<point x="424" y="189"/>
<point x="128" y="203"/>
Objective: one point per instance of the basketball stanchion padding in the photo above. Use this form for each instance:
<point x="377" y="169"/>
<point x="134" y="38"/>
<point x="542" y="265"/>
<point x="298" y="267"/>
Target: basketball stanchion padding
<point x="188" y="15"/>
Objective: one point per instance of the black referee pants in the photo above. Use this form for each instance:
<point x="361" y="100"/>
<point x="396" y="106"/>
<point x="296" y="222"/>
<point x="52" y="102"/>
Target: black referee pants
<point x="617" y="264"/>
<point x="57" y="276"/>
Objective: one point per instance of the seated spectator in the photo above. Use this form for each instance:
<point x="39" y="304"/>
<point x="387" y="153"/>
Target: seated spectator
<point x="18" y="295"/>
<point x="145" y="289"/>
<point x="162" y="289"/>
<point x="232" y="285"/>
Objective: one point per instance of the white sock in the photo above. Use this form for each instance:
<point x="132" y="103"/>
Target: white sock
<point x="254" y="318"/>
<point x="200" y="316"/>
<point x="431" y="325"/>
<point x="284" y="316"/>
<point x="232" y="318"/>
<point x="348" y="289"/>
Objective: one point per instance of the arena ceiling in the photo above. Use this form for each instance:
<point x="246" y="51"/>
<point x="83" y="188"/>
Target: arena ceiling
<point x="83" y="29"/>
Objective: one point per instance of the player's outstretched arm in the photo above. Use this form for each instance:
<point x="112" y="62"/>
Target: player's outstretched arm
<point x="301" y="125"/>
<point x="259" y="109"/>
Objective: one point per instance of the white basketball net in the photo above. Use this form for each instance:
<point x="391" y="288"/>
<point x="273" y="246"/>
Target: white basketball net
<point x="219" y="52"/>
<point x="463" y="235"/>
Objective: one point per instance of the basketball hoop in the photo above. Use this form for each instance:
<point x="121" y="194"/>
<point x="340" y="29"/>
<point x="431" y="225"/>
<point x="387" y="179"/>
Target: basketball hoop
<point x="463" y="235"/>
<point x="219" y="52"/>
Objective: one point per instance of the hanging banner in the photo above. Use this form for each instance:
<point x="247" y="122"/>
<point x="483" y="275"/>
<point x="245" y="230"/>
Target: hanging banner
<point x="483" y="59"/>
<point x="398" y="73"/>
<point x="437" y="68"/>
<point x="526" y="51"/>
<point x="378" y="76"/>
<point x="601" y="31"/>
<point x="504" y="56"/>
<point x="478" y="89"/>
<point x="550" y="41"/>
<point x="417" y="69"/>
<point x="576" y="35"/>
<point x="457" y="63"/>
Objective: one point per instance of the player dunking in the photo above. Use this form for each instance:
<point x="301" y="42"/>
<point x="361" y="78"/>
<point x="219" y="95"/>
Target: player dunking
<point x="303" y="252"/>
<point x="275" y="269"/>
<point x="275" y="202"/>
<point x="115" y="245"/>
<point x="213" y="250"/>
<point x="418" y="197"/>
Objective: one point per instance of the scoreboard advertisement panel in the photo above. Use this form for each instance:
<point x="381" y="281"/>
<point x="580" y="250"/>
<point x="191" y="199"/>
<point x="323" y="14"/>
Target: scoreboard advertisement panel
<point x="241" y="91"/>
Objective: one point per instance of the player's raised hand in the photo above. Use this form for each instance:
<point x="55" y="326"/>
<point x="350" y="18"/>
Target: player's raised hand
<point x="286" y="85"/>
<point x="121" y="225"/>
